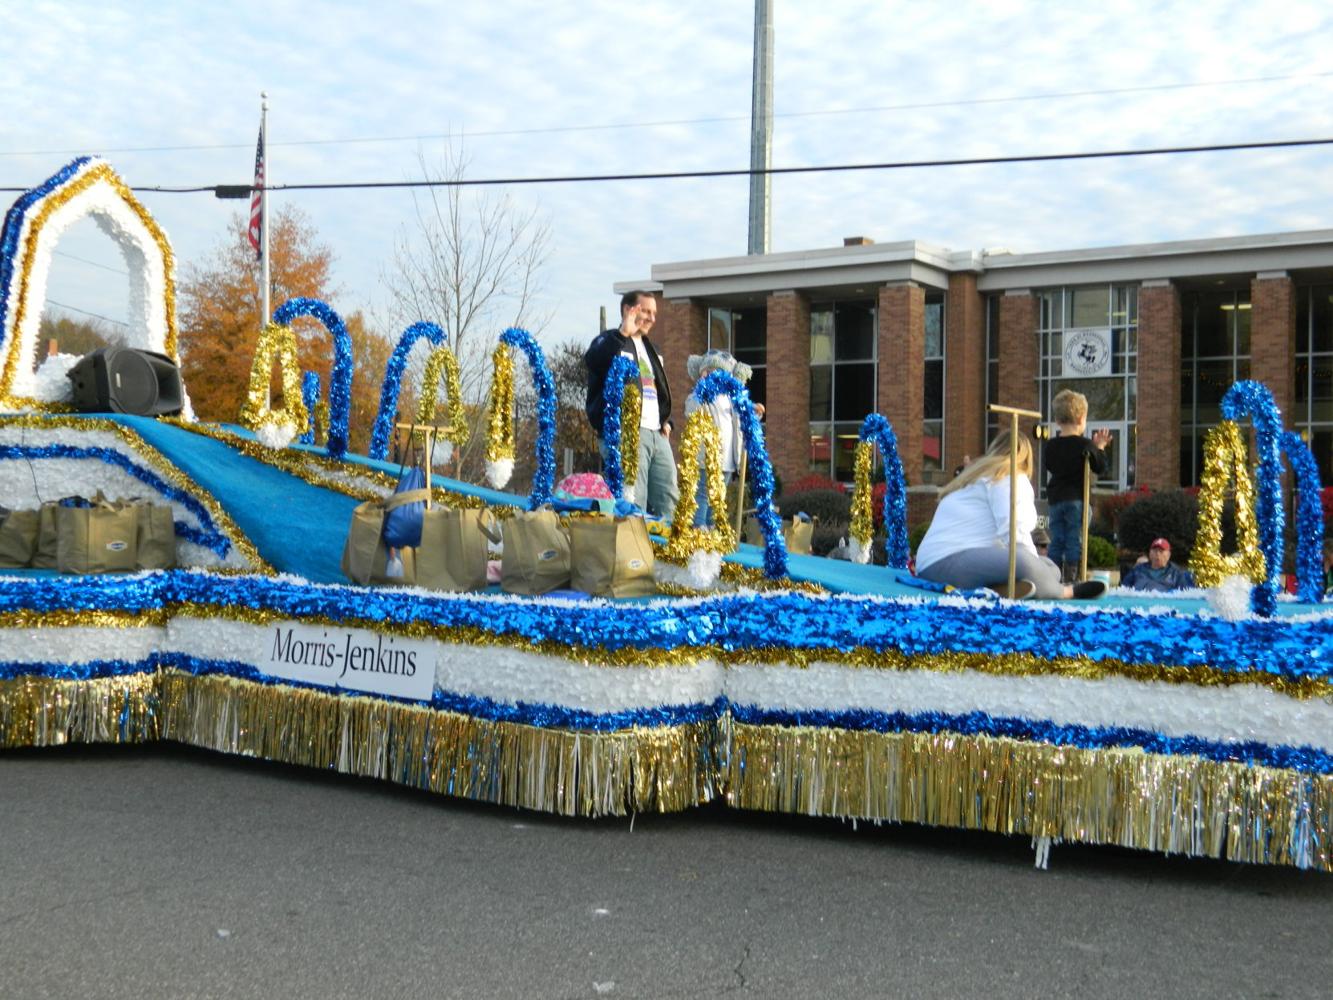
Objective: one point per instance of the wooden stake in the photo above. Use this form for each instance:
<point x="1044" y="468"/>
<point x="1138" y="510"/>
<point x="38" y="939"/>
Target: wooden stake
<point x="1014" y="414"/>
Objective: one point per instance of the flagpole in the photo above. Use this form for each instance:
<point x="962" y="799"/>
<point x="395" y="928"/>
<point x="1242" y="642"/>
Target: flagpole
<point x="266" y="310"/>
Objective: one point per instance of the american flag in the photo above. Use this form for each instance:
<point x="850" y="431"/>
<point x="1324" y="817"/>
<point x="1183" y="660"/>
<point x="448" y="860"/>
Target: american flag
<point x="257" y="198"/>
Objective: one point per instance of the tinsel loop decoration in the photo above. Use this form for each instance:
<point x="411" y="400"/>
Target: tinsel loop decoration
<point x="760" y="469"/>
<point x="1225" y="457"/>
<point x="393" y="383"/>
<point x="442" y="361"/>
<point x="275" y="428"/>
<point x="685" y="539"/>
<point x="1252" y="399"/>
<point x="620" y="426"/>
<point x="543" y="477"/>
<point x="500" y="419"/>
<point x="340" y="379"/>
<point x="1309" y="519"/>
<point x="876" y="431"/>
<point x="26" y="245"/>
<point x="310" y="394"/>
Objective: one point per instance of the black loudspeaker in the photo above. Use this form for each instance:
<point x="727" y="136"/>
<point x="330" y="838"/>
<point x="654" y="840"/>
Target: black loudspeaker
<point x="126" y="380"/>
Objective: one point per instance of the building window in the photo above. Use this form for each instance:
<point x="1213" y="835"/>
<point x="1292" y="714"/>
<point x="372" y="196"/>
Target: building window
<point x="932" y="427"/>
<point x="1089" y="343"/>
<point x="842" y="383"/>
<point x="743" y="333"/>
<point x="1312" y="414"/>
<point x="1215" y="353"/>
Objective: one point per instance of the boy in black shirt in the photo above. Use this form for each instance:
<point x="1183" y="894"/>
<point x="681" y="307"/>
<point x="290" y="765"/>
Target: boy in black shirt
<point x="1063" y="457"/>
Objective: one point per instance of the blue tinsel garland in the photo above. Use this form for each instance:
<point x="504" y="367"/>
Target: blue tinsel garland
<point x="309" y="396"/>
<point x="393" y="383"/>
<point x="1252" y="399"/>
<point x="877" y="429"/>
<point x="760" y="470"/>
<point x="209" y="537"/>
<point x="340" y="380"/>
<point x="13" y="228"/>
<point x="543" y="479"/>
<point x="622" y="370"/>
<point x="1283" y="648"/>
<point x="1309" y="519"/>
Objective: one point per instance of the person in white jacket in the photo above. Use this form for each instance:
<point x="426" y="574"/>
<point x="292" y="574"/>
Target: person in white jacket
<point x="967" y="544"/>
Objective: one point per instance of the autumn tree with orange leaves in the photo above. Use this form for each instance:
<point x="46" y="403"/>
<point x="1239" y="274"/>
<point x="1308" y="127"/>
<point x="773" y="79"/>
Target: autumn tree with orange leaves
<point x="219" y="321"/>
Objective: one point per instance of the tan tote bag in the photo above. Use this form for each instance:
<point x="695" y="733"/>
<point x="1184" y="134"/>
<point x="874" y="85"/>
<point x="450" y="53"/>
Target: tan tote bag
<point x="365" y="556"/>
<point x="798" y="534"/>
<point x="156" y="538"/>
<point x="536" y="553"/>
<point x="453" y="551"/>
<point x="611" y="557"/>
<point x="18" y="538"/>
<point x="102" y="538"/>
<point x="45" y="555"/>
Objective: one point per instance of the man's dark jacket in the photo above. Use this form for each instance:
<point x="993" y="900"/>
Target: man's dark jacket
<point x="603" y="350"/>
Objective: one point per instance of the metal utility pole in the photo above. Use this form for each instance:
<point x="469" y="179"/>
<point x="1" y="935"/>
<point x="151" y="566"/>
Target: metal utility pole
<point x="761" y="128"/>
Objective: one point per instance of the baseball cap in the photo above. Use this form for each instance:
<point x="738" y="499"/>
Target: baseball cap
<point x="1160" y="543"/>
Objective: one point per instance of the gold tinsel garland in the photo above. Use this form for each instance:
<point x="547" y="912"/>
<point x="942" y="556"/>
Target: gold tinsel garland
<point x="1174" y="804"/>
<point x="685" y="538"/>
<point x="500" y="411"/>
<point x="631" y="413"/>
<point x="276" y="342"/>
<point x="558" y="771"/>
<point x="322" y="421"/>
<point x="46" y="711"/>
<point x="1225" y="456"/>
<point x="322" y="471"/>
<point x="102" y="172"/>
<point x="443" y="362"/>
<point x="162" y="467"/>
<point x="863" y="515"/>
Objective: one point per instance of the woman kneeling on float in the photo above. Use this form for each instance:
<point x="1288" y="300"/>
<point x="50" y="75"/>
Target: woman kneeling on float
<point x="967" y="544"/>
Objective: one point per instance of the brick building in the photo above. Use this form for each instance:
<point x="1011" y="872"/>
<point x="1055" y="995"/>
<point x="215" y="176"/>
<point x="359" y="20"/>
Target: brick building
<point x="1152" y="334"/>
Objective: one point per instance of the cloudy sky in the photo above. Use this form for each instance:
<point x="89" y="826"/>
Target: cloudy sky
<point x="169" y="93"/>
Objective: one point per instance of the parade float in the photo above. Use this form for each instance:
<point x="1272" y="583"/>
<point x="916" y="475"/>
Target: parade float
<point x="1198" y="725"/>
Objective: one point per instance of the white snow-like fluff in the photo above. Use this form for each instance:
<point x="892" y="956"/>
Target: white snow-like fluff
<point x="274" y="435"/>
<point x="51" y="382"/>
<point x="499" y="471"/>
<point x="859" y="550"/>
<point x="700" y="573"/>
<point x="1230" y="598"/>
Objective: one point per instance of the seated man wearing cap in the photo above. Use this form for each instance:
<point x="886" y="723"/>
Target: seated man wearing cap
<point x="1158" y="572"/>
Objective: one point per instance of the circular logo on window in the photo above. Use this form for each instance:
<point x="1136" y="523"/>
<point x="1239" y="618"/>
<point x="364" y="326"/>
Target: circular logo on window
<point x="1087" y="352"/>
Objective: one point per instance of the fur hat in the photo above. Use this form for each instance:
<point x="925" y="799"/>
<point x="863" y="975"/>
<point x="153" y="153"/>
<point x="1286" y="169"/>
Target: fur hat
<point x="699" y="365"/>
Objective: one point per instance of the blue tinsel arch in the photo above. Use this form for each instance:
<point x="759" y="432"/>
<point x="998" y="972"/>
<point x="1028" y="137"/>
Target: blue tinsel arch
<point x="707" y="389"/>
<point x="543" y="479"/>
<point x="1252" y="399"/>
<point x="622" y="370"/>
<point x="340" y="379"/>
<point x="877" y="428"/>
<point x="393" y="382"/>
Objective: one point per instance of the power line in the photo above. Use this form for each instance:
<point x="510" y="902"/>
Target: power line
<point x="90" y="263"/>
<point x="240" y="190"/>
<point x="672" y="122"/>
<point x="85" y="312"/>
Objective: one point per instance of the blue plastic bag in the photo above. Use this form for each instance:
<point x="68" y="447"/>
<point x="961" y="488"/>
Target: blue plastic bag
<point x="402" y="525"/>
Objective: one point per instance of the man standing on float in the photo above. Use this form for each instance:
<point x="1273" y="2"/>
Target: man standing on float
<point x="655" y="485"/>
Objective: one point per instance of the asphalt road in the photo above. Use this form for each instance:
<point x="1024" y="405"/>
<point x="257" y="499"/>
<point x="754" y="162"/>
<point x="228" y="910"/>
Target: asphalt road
<point x="168" y="872"/>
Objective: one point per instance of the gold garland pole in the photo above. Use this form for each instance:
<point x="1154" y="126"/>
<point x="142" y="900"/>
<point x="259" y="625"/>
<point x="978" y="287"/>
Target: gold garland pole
<point x="631" y="411"/>
<point x="1224" y="451"/>
<point x="275" y="341"/>
<point x="1014" y="414"/>
<point x="500" y="419"/>
<point x="863" y="514"/>
<point x="444" y="362"/>
<point x="685" y="539"/>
